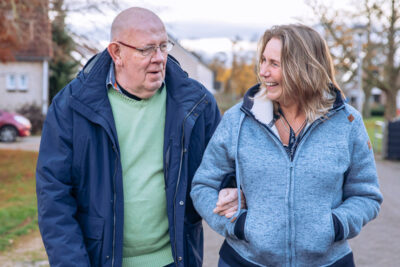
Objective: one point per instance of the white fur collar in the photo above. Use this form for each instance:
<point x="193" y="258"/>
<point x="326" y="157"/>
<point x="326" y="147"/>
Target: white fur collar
<point x="263" y="110"/>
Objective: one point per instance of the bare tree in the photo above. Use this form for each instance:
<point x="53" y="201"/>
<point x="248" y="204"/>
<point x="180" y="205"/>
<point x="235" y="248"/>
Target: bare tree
<point x="381" y="29"/>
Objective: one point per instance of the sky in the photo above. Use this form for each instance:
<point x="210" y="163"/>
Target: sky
<point x="207" y="26"/>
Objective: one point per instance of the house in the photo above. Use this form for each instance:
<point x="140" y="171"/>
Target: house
<point x="24" y="77"/>
<point x="193" y="65"/>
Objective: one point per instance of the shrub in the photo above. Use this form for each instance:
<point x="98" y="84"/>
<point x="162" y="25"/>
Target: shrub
<point x="378" y="110"/>
<point x="34" y="113"/>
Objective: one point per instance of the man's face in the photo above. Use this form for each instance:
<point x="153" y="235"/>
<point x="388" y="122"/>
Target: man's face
<point x="143" y="75"/>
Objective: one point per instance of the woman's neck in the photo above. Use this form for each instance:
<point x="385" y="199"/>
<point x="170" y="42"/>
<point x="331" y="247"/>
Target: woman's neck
<point x="292" y="112"/>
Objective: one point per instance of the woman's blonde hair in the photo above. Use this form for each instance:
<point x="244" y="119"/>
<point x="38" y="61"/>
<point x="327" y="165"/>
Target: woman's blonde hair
<point x="307" y="67"/>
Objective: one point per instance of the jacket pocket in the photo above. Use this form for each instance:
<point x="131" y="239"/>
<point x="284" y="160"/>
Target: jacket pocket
<point x="92" y="230"/>
<point x="240" y="225"/>
<point x="315" y="234"/>
<point x="194" y="244"/>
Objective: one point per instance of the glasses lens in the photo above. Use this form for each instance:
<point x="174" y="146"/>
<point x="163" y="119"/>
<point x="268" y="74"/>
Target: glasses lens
<point x="169" y="46"/>
<point x="149" y="50"/>
<point x="164" y="48"/>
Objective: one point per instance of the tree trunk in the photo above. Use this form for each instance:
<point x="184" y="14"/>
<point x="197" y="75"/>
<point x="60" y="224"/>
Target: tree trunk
<point x="366" y="112"/>
<point x="390" y="105"/>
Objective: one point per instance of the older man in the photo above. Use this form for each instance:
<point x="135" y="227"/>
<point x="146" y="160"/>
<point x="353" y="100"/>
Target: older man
<point x="120" y="146"/>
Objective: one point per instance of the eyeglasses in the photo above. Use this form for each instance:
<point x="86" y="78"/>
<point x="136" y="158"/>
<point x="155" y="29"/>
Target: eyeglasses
<point x="150" y="50"/>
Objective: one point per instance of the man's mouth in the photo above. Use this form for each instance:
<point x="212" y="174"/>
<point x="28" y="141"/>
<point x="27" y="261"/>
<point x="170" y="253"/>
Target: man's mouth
<point x="154" y="72"/>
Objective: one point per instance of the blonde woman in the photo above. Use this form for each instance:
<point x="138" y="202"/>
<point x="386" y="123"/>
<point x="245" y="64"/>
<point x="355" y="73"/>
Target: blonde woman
<point x="302" y="158"/>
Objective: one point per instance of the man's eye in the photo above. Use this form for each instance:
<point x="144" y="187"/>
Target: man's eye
<point x="163" y="47"/>
<point x="148" y="50"/>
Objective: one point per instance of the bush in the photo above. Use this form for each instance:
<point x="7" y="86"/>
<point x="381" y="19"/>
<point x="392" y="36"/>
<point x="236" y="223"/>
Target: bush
<point x="378" y="110"/>
<point x="34" y="113"/>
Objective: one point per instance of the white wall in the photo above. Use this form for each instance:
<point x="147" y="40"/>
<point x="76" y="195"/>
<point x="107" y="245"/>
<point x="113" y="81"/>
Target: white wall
<point x="12" y="100"/>
<point x="193" y="67"/>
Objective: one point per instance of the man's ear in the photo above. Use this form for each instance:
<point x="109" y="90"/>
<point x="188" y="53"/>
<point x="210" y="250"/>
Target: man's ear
<point x="115" y="53"/>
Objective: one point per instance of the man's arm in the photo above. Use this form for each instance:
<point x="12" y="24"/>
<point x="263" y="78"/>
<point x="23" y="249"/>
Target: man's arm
<point x="61" y="233"/>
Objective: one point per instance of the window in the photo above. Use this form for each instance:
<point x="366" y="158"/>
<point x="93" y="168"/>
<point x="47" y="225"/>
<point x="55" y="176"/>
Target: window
<point x="16" y="82"/>
<point x="23" y="82"/>
<point x="11" y="83"/>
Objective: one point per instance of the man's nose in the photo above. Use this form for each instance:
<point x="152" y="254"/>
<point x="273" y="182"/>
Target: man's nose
<point x="158" y="55"/>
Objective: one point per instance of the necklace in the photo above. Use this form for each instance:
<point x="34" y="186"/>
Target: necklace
<point x="287" y="129"/>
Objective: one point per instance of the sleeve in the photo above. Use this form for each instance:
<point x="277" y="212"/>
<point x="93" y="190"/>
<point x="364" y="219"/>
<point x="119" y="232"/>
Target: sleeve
<point x="361" y="195"/>
<point x="217" y="163"/>
<point x="213" y="118"/>
<point x="61" y="233"/>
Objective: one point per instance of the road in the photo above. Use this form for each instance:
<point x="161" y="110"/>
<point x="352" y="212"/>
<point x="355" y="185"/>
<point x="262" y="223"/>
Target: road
<point x="377" y="245"/>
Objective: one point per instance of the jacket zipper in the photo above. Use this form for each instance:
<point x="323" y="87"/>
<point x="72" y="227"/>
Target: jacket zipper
<point x="183" y="150"/>
<point x="312" y="126"/>
<point x="114" y="204"/>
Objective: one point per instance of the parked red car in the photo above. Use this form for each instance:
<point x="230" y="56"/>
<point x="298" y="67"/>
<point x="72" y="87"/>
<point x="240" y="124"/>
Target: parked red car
<point x="13" y="125"/>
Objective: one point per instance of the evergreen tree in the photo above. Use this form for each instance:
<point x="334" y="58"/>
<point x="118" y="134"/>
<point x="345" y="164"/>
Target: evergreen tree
<point x="63" y="66"/>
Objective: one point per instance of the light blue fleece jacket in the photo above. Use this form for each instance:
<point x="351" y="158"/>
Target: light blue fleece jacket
<point x="290" y="203"/>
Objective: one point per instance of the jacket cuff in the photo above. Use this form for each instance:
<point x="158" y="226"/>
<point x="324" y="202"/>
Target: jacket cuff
<point x="239" y="226"/>
<point x="339" y="231"/>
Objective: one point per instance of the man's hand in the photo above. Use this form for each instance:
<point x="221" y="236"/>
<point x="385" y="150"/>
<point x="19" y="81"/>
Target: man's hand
<point x="227" y="203"/>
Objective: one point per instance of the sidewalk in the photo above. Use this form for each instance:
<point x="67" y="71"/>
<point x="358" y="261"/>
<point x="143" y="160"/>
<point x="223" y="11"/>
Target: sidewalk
<point x="30" y="143"/>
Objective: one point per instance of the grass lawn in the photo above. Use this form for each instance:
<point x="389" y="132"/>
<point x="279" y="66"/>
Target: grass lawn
<point x="371" y="129"/>
<point x="18" y="210"/>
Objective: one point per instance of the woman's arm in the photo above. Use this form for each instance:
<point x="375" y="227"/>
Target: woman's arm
<point x="361" y="194"/>
<point x="218" y="161"/>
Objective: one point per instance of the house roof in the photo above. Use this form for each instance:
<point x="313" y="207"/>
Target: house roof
<point x="29" y="30"/>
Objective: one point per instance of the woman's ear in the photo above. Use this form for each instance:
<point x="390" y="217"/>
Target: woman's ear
<point x="115" y="53"/>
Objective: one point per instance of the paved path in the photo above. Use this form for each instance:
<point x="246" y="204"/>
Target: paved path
<point x="378" y="245"/>
<point x="30" y="143"/>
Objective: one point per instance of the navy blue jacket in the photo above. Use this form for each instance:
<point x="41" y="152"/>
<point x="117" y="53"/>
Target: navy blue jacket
<point x="79" y="173"/>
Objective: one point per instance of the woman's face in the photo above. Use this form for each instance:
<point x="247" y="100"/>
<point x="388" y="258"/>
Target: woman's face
<point x="270" y="69"/>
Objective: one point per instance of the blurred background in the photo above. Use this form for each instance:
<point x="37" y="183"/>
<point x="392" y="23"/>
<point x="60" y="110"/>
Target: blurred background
<point x="44" y="43"/>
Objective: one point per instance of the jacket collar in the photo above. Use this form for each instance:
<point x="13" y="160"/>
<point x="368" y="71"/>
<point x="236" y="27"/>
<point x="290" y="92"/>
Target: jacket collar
<point x="89" y="93"/>
<point x="263" y="110"/>
<point x="92" y="91"/>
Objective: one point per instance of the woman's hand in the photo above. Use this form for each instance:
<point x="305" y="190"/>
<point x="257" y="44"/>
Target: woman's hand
<point x="227" y="203"/>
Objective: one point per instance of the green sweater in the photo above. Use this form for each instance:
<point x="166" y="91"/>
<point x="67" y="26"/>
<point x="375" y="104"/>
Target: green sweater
<point x="140" y="130"/>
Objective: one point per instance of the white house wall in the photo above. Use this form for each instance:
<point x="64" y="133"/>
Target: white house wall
<point x="206" y="76"/>
<point x="12" y="100"/>
<point x="193" y="67"/>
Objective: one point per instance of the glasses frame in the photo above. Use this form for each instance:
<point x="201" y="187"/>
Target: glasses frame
<point x="153" y="48"/>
